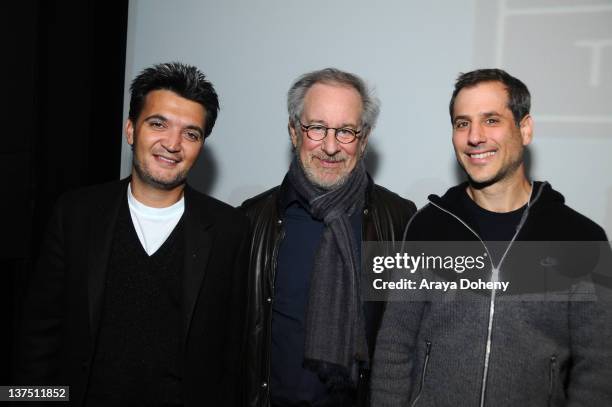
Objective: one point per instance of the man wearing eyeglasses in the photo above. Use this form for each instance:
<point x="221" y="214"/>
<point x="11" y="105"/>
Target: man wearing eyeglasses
<point x="310" y="334"/>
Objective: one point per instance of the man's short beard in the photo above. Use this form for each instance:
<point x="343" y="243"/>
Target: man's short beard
<point x="311" y="176"/>
<point x="149" y="179"/>
<point x="314" y="181"/>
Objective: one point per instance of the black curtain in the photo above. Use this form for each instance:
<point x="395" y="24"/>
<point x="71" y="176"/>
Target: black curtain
<point x="65" y="78"/>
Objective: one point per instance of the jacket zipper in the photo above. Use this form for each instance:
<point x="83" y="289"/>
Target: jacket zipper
<point x="423" y="373"/>
<point x="551" y="378"/>
<point x="277" y="243"/>
<point x="494" y="278"/>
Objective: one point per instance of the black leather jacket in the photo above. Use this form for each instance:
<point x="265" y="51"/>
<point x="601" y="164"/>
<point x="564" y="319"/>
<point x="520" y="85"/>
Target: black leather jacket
<point x="384" y="217"/>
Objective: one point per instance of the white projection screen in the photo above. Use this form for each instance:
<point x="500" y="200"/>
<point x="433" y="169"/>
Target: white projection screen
<point x="411" y="52"/>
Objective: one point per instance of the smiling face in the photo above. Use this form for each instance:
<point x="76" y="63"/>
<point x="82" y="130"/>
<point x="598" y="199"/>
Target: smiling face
<point x="488" y="144"/>
<point x="328" y="163"/>
<point x="166" y="140"/>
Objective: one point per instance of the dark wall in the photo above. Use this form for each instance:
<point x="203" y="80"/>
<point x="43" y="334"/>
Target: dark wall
<point x="65" y="74"/>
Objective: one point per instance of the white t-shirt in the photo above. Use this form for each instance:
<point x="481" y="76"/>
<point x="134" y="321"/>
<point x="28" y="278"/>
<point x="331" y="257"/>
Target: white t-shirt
<point x="154" y="225"/>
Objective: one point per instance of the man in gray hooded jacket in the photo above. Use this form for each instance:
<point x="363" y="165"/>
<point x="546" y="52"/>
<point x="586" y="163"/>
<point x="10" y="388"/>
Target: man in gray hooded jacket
<point x="488" y="348"/>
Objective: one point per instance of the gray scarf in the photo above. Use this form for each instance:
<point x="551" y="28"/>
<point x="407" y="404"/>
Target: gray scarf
<point x="335" y="328"/>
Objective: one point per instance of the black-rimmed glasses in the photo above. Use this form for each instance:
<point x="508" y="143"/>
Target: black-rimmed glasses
<point x="318" y="132"/>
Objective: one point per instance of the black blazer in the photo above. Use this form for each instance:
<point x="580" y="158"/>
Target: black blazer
<point x="64" y="300"/>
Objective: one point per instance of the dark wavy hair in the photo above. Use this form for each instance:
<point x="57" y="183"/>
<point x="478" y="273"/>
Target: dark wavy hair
<point x="184" y="80"/>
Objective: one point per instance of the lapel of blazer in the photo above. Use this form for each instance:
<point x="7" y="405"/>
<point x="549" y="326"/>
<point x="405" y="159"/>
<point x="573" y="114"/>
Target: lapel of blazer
<point x="198" y="243"/>
<point x="103" y="221"/>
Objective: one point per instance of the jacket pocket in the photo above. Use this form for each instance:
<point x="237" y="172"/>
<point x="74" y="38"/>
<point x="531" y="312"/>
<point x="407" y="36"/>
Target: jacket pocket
<point x="423" y="373"/>
<point x="552" y="379"/>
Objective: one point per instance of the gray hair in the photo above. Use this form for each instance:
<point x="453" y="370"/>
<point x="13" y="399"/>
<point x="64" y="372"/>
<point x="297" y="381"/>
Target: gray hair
<point x="333" y="76"/>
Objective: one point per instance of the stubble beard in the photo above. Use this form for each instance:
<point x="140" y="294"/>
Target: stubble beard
<point x="148" y="178"/>
<point x="505" y="172"/>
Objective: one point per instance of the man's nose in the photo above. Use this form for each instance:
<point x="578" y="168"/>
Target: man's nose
<point x="330" y="144"/>
<point x="173" y="140"/>
<point x="476" y="135"/>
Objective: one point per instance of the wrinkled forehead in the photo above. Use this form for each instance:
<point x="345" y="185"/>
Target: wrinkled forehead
<point x="325" y="101"/>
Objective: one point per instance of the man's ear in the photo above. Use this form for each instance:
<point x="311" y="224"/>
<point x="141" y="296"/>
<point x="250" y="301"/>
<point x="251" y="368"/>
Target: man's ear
<point x="526" y="129"/>
<point x="292" y="134"/>
<point x="129" y="132"/>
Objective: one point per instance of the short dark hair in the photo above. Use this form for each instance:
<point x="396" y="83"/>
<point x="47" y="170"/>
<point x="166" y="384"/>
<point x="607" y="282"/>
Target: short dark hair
<point x="519" y="99"/>
<point x="184" y="80"/>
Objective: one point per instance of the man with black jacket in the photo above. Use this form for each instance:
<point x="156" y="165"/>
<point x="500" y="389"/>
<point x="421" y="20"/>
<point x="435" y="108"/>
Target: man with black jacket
<point x="139" y="294"/>
<point x="488" y="347"/>
<point x="310" y="334"/>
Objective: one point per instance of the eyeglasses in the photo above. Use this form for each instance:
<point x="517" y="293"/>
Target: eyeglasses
<point x="318" y="132"/>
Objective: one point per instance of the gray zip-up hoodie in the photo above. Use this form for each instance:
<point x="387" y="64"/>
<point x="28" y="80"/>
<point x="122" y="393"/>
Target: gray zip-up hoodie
<point x="481" y="351"/>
